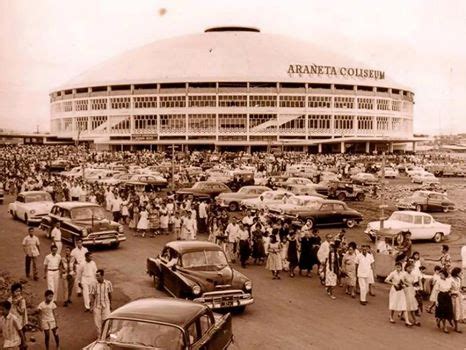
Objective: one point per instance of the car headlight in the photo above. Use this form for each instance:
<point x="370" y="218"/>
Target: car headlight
<point x="196" y="290"/>
<point x="32" y="211"/>
<point x="248" y="285"/>
<point x="84" y="232"/>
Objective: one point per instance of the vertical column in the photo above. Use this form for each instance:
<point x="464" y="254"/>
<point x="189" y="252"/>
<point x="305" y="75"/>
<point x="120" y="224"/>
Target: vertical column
<point x="368" y="147"/>
<point x="342" y="147"/>
<point x="414" y="146"/>
<point x="355" y="125"/>
<point x="247" y="117"/>
<point x="390" y="147"/>
<point x="319" y="148"/>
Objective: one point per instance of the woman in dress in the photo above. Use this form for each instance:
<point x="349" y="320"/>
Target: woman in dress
<point x="163" y="217"/>
<point x="274" y="260"/>
<point x="348" y="267"/>
<point x="153" y="217"/>
<point x="258" y="251"/>
<point x="433" y="290"/>
<point x="125" y="211"/>
<point x="305" y="258"/>
<point x="444" y="306"/>
<point x="292" y="252"/>
<point x="408" y="286"/>
<point x="332" y="270"/>
<point x="456" y="298"/>
<point x="143" y="223"/>
<point x="397" y="297"/>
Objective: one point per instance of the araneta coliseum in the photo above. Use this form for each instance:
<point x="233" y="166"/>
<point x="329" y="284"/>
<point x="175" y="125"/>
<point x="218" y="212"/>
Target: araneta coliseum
<point x="234" y="88"/>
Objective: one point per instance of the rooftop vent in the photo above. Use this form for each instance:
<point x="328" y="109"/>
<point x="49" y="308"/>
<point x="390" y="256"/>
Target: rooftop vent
<point x="232" y="29"/>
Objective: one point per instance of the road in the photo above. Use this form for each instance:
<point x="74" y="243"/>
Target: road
<point x="291" y="313"/>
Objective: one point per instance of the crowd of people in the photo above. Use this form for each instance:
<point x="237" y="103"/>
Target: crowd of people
<point x="247" y="237"/>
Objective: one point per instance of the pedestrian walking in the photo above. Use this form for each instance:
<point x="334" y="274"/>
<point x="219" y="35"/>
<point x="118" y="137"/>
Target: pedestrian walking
<point x="444" y="306"/>
<point x="408" y="287"/>
<point x="47" y="310"/>
<point x="52" y="270"/>
<point x="87" y="279"/>
<point x="456" y="298"/>
<point x="292" y="252"/>
<point x="12" y="334"/>
<point x="68" y="273"/>
<point x="397" y="297"/>
<point x="274" y="260"/>
<point x="332" y="269"/>
<point x="56" y="237"/>
<point x="31" y="247"/>
<point x="18" y="304"/>
<point x="243" y="244"/>
<point x="463" y="265"/>
<point x="348" y="267"/>
<point x="79" y="255"/>
<point x="101" y="299"/>
<point x="364" y="268"/>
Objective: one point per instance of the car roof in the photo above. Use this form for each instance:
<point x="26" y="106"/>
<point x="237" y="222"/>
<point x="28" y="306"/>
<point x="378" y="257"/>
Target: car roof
<point x="309" y="197"/>
<point x="192" y="246"/>
<point x="258" y="187"/>
<point x="25" y="193"/>
<point x="72" y="205"/>
<point x="167" y="310"/>
<point x="412" y="212"/>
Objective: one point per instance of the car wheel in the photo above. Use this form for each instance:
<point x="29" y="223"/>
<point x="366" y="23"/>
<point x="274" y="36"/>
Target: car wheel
<point x="233" y="206"/>
<point x="13" y="214"/>
<point x="418" y="207"/>
<point x="240" y="309"/>
<point x="115" y="245"/>
<point x="361" y="197"/>
<point x="350" y="223"/>
<point x="438" y="237"/>
<point x="341" y="196"/>
<point x="311" y="222"/>
<point x="158" y="284"/>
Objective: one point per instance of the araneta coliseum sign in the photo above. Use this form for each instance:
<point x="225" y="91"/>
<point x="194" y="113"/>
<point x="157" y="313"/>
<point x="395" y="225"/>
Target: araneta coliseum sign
<point x="314" y="69"/>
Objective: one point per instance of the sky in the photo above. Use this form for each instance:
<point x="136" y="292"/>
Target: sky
<point x="419" y="43"/>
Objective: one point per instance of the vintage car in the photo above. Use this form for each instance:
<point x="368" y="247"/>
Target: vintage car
<point x="296" y="181"/>
<point x="203" y="190"/>
<point x="364" y="179"/>
<point x="199" y="271"/>
<point x="345" y="191"/>
<point x="426" y="201"/>
<point x="424" y="178"/>
<point x="415" y="170"/>
<point x="116" y="179"/>
<point x="58" y="165"/>
<point x="87" y="221"/>
<point x="326" y="213"/>
<point x="265" y="199"/>
<point x="232" y="200"/>
<point x="421" y="225"/>
<point x="389" y="173"/>
<point x="168" y="324"/>
<point x="304" y="190"/>
<point x="151" y="182"/>
<point x="31" y="206"/>
<point x="295" y="203"/>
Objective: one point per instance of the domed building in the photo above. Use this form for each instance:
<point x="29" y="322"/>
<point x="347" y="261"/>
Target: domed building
<point x="234" y="88"/>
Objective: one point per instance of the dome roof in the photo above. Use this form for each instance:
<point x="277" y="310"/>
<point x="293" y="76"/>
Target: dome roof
<point x="224" y="54"/>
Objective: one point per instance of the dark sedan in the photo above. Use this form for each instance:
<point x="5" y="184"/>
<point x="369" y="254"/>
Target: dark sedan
<point x="203" y="190"/>
<point x="325" y="213"/>
<point x="199" y="271"/>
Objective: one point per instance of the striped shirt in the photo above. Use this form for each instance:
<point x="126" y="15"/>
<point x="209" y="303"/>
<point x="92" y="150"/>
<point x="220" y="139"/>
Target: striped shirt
<point x="100" y="291"/>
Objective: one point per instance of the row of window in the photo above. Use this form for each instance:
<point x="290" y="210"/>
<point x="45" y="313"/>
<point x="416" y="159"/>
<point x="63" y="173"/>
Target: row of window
<point x="284" y="101"/>
<point x="203" y="122"/>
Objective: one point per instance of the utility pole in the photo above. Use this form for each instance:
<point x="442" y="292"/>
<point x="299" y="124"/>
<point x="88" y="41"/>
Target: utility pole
<point x="382" y="193"/>
<point x="173" y="167"/>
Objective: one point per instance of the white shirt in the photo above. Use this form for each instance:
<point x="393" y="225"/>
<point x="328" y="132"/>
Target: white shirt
<point x="56" y="234"/>
<point x="202" y="210"/>
<point x="116" y="204"/>
<point x="232" y="232"/>
<point x="364" y="264"/>
<point x="463" y="256"/>
<point x="324" y="250"/>
<point x="79" y="254"/>
<point x="31" y="245"/>
<point x="89" y="271"/>
<point x="52" y="261"/>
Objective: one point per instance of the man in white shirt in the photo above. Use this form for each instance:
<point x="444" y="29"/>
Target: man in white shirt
<point x="324" y="250"/>
<point x="463" y="264"/>
<point x="52" y="270"/>
<point x="232" y="232"/>
<point x="87" y="279"/>
<point x="31" y="247"/>
<point x="364" y="270"/>
<point x="56" y="236"/>
<point x="79" y="254"/>
<point x="202" y="217"/>
<point x="101" y="299"/>
<point x="116" y="207"/>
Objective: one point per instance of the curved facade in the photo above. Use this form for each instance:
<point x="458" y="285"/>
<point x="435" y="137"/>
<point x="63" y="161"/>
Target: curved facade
<point x="232" y="87"/>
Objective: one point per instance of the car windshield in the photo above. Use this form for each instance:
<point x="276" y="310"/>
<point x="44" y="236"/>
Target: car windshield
<point x="402" y="217"/>
<point x="88" y="213"/>
<point x="204" y="258"/>
<point x="142" y="334"/>
<point x="37" y="197"/>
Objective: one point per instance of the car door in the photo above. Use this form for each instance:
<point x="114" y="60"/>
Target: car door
<point x="66" y="228"/>
<point x="169" y="276"/>
<point x="337" y="214"/>
<point x="20" y="206"/>
<point x="428" y="230"/>
<point x="324" y="216"/>
<point x="215" y="331"/>
<point x="417" y="229"/>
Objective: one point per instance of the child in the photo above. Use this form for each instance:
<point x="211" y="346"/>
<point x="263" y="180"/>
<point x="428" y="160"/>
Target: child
<point x="433" y="293"/>
<point x="18" y="304"/>
<point x="13" y="336"/>
<point x="48" y="318"/>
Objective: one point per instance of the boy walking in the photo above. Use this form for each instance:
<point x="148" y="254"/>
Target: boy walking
<point x="48" y="319"/>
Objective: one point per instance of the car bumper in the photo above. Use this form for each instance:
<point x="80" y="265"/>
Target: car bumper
<point x="35" y="220"/>
<point x="223" y="300"/>
<point x="406" y="206"/>
<point x="103" y="240"/>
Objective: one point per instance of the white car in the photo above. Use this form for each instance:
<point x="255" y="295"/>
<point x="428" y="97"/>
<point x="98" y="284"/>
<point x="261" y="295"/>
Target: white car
<point x="425" y="178"/>
<point x="30" y="206"/>
<point x="295" y="203"/>
<point x="267" y="198"/>
<point x="421" y="225"/>
<point x="364" y="179"/>
<point x="298" y="181"/>
<point x="390" y="173"/>
<point x="116" y="179"/>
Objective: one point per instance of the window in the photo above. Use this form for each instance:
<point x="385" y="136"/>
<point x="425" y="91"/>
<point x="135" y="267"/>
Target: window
<point x="145" y="122"/>
<point x="174" y="123"/>
<point x="67" y="106"/>
<point x="262" y="101"/>
<point x="383" y="104"/>
<point x="382" y="123"/>
<point x="319" y="121"/>
<point x="98" y="104"/>
<point x="202" y="101"/>
<point x="192" y="333"/>
<point x="120" y="124"/>
<point x="365" y="103"/>
<point x="344" y="122"/>
<point x="365" y="122"/>
<point x="320" y="102"/>
<point x="232" y="122"/>
<point x="97" y="121"/>
<point x="326" y="207"/>
<point x="344" y="102"/>
<point x="145" y="102"/>
<point x="427" y="220"/>
<point x="418" y="220"/>
<point x="396" y="105"/>
<point x="81" y="105"/>
<point x="232" y="101"/>
<point x="338" y="207"/>
<point x="20" y="199"/>
<point x="67" y="124"/>
<point x="205" y="323"/>
<point x="120" y="102"/>
<point x="291" y="101"/>
<point x="82" y="123"/>
<point x="262" y="122"/>
<point x="201" y="122"/>
<point x="292" y="122"/>
<point x="172" y="101"/>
